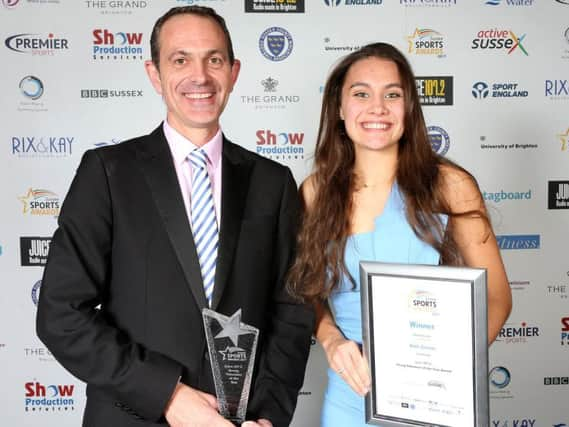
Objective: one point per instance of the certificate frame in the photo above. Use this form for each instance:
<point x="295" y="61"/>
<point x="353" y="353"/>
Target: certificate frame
<point x="413" y="290"/>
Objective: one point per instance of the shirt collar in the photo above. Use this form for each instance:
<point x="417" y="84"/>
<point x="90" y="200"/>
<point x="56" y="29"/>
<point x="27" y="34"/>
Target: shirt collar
<point x="180" y="146"/>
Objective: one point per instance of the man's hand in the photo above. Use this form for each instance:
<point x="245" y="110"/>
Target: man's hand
<point x="262" y="422"/>
<point x="189" y="407"/>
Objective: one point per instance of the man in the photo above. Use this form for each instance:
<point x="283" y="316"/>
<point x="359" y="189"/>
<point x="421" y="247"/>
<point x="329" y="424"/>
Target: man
<point x="123" y="289"/>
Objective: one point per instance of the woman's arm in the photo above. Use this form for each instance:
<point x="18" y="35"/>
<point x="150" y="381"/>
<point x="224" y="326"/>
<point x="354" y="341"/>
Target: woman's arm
<point x="477" y="244"/>
<point x="344" y="356"/>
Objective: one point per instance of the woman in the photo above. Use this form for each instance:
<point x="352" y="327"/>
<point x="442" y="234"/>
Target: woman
<point x="378" y="191"/>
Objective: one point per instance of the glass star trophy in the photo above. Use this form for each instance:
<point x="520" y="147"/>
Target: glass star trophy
<point x="232" y="347"/>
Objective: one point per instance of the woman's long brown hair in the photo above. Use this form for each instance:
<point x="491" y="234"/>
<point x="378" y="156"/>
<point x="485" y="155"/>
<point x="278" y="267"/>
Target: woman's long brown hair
<point x="324" y="230"/>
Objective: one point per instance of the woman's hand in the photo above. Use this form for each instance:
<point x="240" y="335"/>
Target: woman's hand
<point x="345" y="357"/>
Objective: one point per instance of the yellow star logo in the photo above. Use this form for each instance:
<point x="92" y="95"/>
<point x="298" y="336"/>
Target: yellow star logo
<point x="26" y="199"/>
<point x="564" y="137"/>
<point x="411" y="39"/>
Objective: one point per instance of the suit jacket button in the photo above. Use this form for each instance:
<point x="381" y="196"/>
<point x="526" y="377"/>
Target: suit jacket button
<point x="206" y="356"/>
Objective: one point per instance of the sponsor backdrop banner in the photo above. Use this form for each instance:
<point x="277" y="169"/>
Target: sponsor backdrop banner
<point x="493" y="76"/>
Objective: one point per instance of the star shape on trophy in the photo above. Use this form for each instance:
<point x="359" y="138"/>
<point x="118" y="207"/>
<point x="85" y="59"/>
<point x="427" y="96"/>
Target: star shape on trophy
<point x="224" y="353"/>
<point x="231" y="328"/>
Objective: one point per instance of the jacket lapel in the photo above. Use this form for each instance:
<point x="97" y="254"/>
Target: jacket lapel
<point x="236" y="173"/>
<point x="161" y="178"/>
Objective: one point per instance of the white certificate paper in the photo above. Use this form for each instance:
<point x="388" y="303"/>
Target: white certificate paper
<point x="423" y="341"/>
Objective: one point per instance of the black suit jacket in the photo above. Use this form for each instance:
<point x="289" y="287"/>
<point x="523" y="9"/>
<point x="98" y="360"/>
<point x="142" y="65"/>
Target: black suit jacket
<point x="122" y="292"/>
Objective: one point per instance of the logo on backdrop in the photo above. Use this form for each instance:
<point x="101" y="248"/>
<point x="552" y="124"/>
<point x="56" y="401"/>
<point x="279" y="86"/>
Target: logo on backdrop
<point x="565" y="331"/>
<point x="31" y="90"/>
<point x="501" y="195"/>
<point x="280" y="145"/>
<point x="427" y="3"/>
<point x="563" y="137"/>
<point x="509" y="2"/>
<point x="335" y="3"/>
<point x="558" y="194"/>
<point x="514" y="334"/>
<point x="482" y="90"/>
<point x="562" y="1"/>
<point x="435" y="90"/>
<point x="518" y="241"/>
<point x="270" y="98"/>
<point x="555" y="380"/>
<point x="40" y="397"/>
<point x="111" y="93"/>
<point x="39" y="202"/>
<point x="499" y="377"/>
<point x="426" y="41"/>
<point x="31" y="87"/>
<point x="116" y="46"/>
<point x="35" y="44"/>
<point x="557" y="89"/>
<point x="439" y="139"/>
<point x="34" y="250"/>
<point x="331" y="47"/>
<point x="275" y="43"/>
<point x="36" y="292"/>
<point x="193" y="2"/>
<point x="116" y="7"/>
<point x="9" y="4"/>
<point x="519" y="285"/>
<point x="40" y="354"/>
<point x="270" y="84"/>
<point x="274" y="6"/>
<point x="485" y="145"/>
<point x="499" y="39"/>
<point x="43" y="146"/>
<point x="515" y="422"/>
<point x="559" y="290"/>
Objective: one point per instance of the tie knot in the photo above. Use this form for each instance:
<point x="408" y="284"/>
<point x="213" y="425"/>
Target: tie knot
<point x="198" y="158"/>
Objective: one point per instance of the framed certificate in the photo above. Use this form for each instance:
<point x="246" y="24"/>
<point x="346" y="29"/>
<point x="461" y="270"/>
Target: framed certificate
<point x="425" y="338"/>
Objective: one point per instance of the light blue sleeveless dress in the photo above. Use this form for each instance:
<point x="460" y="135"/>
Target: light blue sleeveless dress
<point x="392" y="240"/>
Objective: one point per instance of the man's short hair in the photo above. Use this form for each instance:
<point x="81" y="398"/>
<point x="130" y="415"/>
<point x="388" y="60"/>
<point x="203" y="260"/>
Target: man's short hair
<point x="202" y="11"/>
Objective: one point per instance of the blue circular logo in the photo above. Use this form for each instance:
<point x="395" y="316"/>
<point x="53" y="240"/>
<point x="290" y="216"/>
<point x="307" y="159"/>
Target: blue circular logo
<point x="499" y="377"/>
<point x="36" y="292"/>
<point x="31" y="87"/>
<point x="275" y="43"/>
<point x="439" y="139"/>
<point x="480" y="90"/>
<point x="332" y="3"/>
